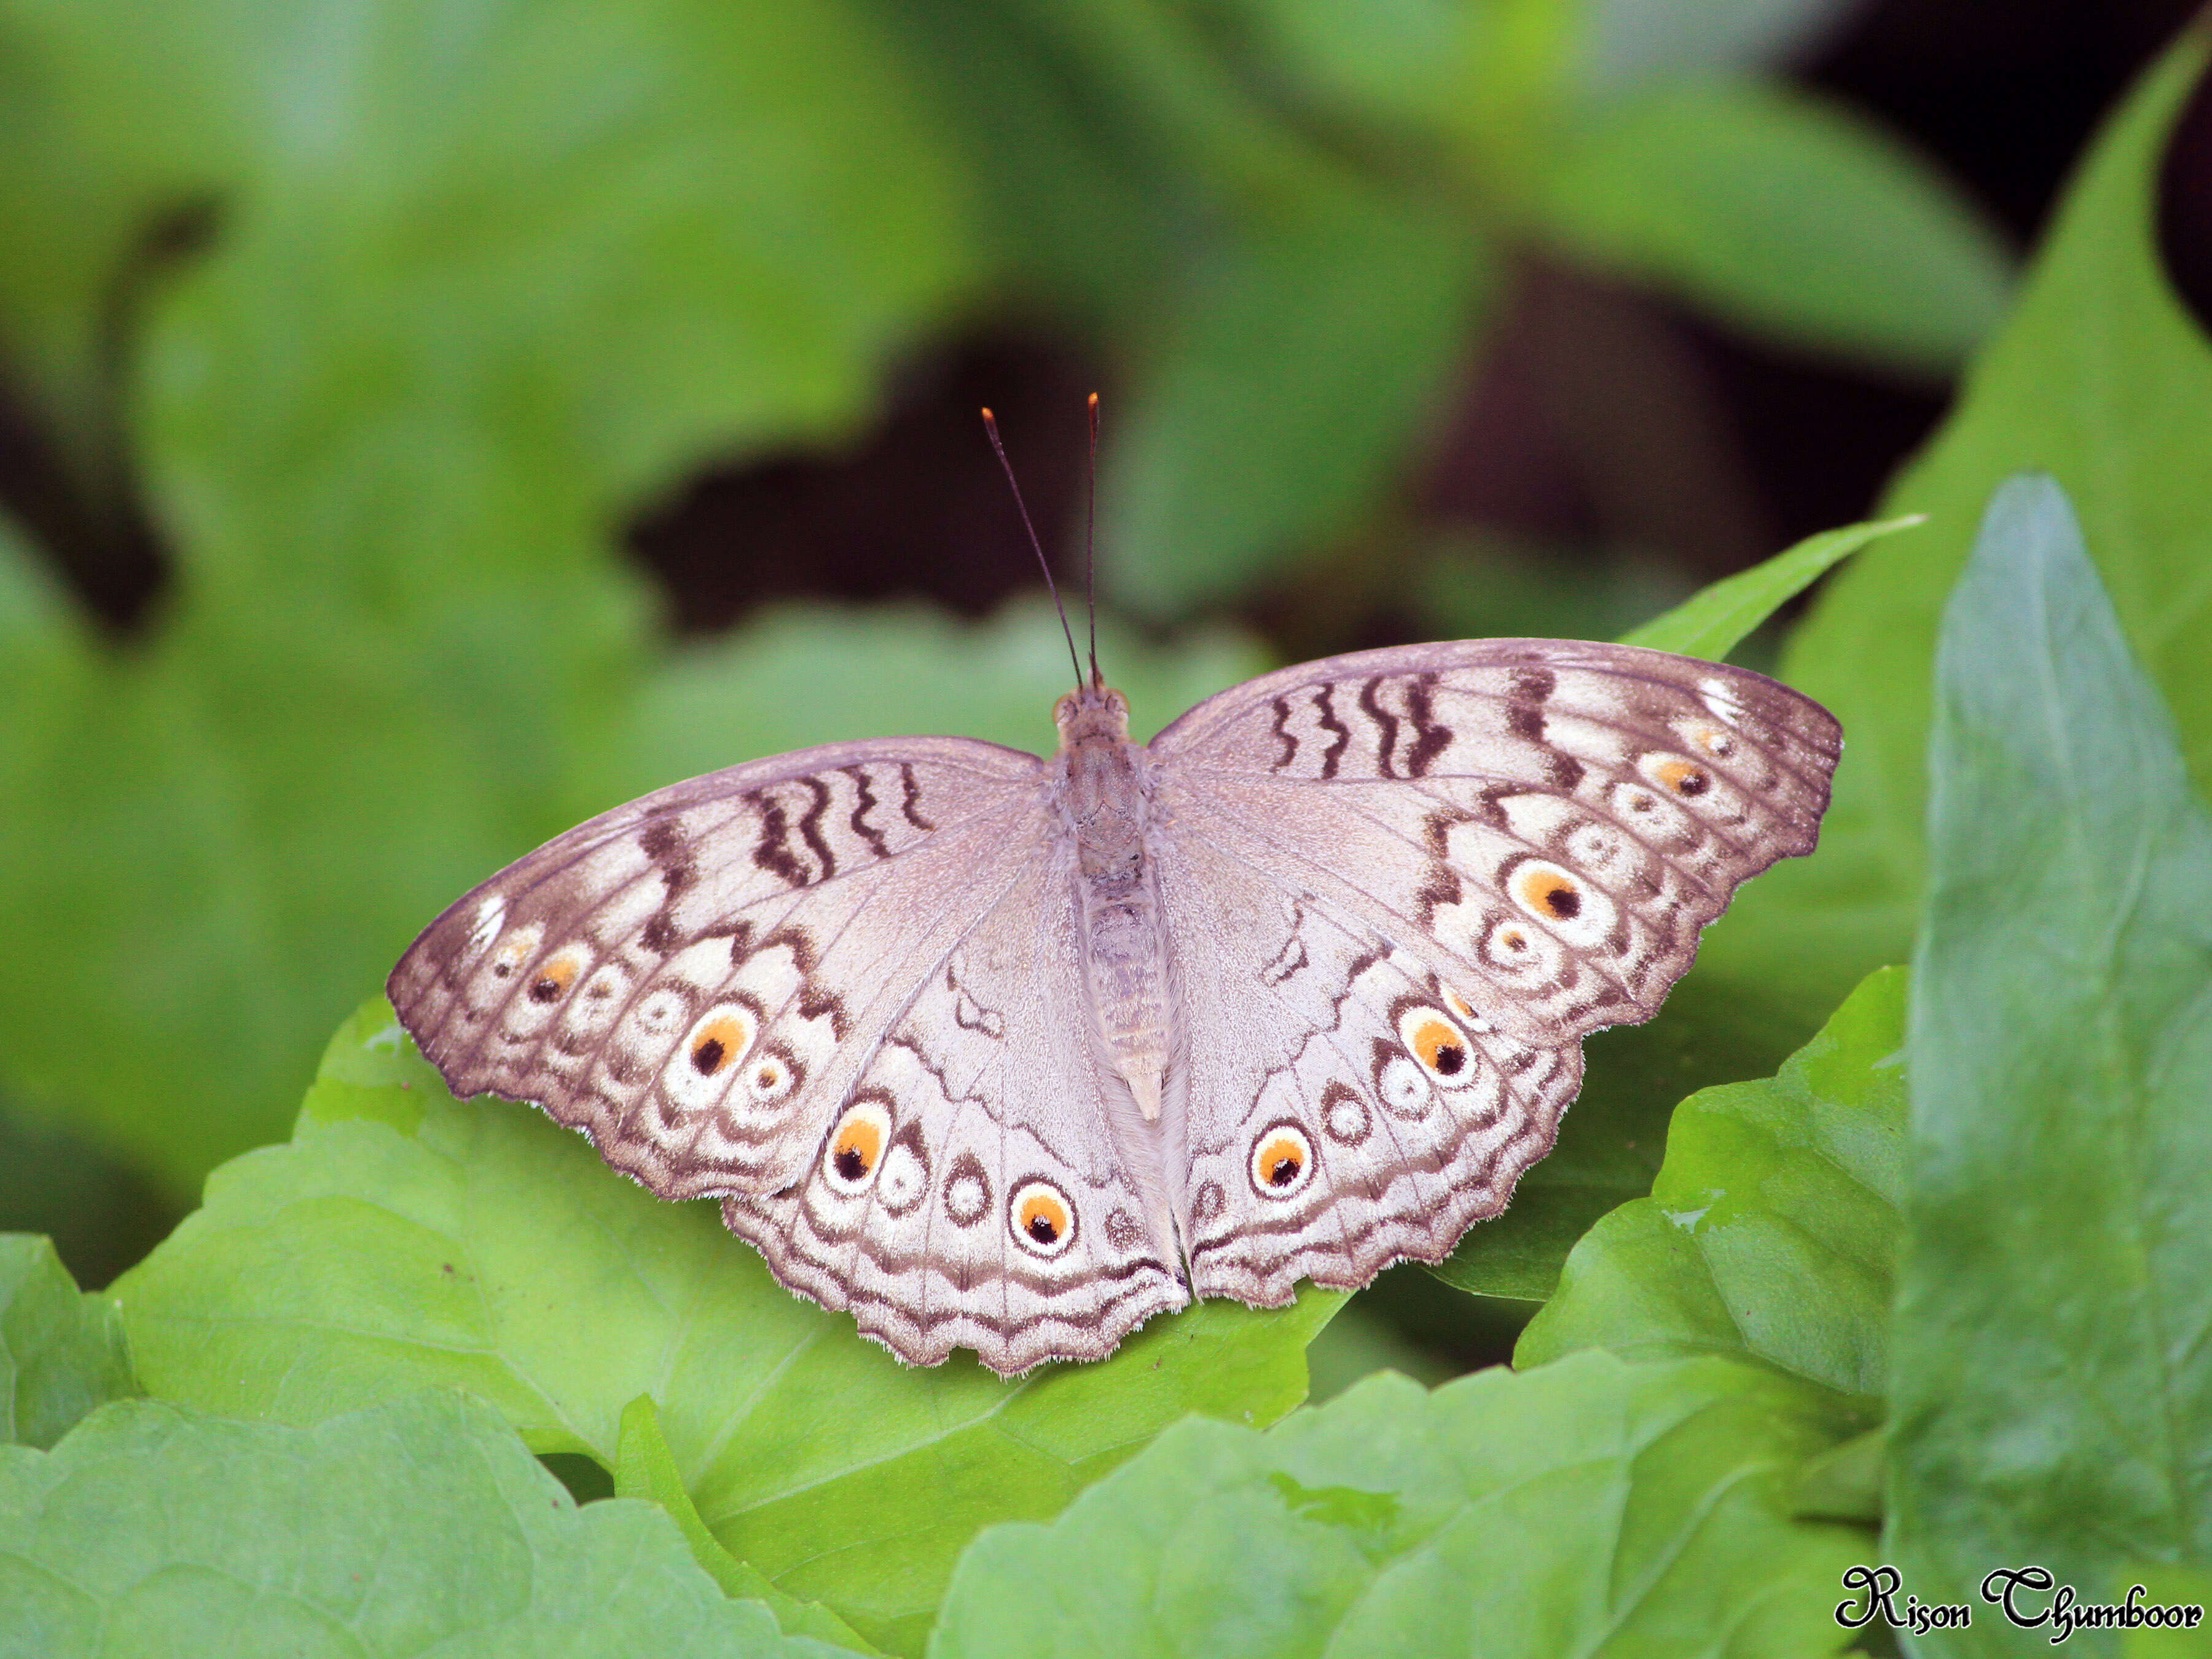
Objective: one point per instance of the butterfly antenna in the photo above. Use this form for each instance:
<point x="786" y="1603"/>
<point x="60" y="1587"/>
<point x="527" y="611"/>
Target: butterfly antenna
<point x="991" y="426"/>
<point x="1091" y="542"/>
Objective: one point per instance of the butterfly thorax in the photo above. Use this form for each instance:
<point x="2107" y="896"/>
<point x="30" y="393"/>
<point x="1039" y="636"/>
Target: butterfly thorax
<point x="1101" y="792"/>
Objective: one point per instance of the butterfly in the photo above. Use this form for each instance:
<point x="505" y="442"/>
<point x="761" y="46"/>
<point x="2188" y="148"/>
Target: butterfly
<point x="1012" y="1053"/>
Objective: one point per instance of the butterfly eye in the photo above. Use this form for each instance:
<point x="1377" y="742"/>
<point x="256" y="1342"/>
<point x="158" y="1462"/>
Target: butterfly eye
<point x="1439" y="1046"/>
<point x="507" y="960"/>
<point x="967" y="1191"/>
<point x="1686" y="778"/>
<point x="856" y="1147"/>
<point x="719" y="1040"/>
<point x="1042" y="1218"/>
<point x="905" y="1179"/>
<point x="1550" y="891"/>
<point x="1714" y="741"/>
<point x="1282" y="1161"/>
<point x="556" y="975"/>
<point x="1404" y="1087"/>
<point x="771" y="1078"/>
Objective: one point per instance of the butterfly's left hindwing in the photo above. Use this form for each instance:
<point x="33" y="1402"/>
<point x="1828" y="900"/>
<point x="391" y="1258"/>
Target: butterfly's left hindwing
<point x="982" y="1188"/>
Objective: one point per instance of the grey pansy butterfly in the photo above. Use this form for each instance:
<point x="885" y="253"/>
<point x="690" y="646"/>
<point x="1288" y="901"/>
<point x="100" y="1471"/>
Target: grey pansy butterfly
<point x="1012" y="1053"/>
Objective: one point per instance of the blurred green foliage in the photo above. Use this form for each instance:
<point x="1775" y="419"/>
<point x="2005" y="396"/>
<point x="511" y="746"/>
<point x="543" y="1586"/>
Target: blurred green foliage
<point x="390" y="315"/>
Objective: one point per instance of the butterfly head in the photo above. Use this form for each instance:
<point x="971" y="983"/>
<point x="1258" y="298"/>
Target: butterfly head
<point x="1090" y="713"/>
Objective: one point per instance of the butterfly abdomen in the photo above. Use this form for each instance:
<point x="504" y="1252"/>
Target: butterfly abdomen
<point x="1101" y="798"/>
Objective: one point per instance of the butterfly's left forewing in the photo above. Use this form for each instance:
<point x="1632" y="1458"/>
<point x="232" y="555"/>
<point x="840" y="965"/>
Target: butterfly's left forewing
<point x="694" y="977"/>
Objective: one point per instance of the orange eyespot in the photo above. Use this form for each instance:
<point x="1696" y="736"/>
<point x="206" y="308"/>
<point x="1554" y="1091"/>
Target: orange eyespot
<point x="1513" y="940"/>
<point x="771" y="1079"/>
<point x="718" y="1040"/>
<point x="507" y="960"/>
<point x="557" y="974"/>
<point x="1439" y="1046"/>
<point x="1549" y="893"/>
<point x="1042" y="1217"/>
<point x="856" y="1147"/>
<point x="1714" y="741"/>
<point x="1282" y="1161"/>
<point x="1683" y="777"/>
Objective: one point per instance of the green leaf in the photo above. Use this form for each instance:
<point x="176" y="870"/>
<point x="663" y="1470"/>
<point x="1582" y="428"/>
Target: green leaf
<point x="2053" y="1387"/>
<point x="1310" y="353"/>
<point x="2100" y="378"/>
<point x="1771" y="1230"/>
<point x="646" y="1469"/>
<point x="403" y="1239"/>
<point x="61" y="1351"/>
<point x="417" y="1526"/>
<point x="1717" y="618"/>
<point x="2169" y="1586"/>
<point x="1592" y="1505"/>
<point x="1785" y="216"/>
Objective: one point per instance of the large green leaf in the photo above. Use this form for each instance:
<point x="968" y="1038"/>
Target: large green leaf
<point x="1715" y="620"/>
<point x="403" y="1239"/>
<point x="1590" y="1506"/>
<point x="1771" y="1230"/>
<point x="2100" y="378"/>
<point x="61" y="1352"/>
<point x="644" y="1467"/>
<point x="2053" y="1385"/>
<point x="1785" y="216"/>
<point x="421" y="1526"/>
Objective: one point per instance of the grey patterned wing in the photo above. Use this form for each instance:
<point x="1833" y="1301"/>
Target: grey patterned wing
<point x="986" y="1184"/>
<point x="697" y="978"/>
<point x="1339" y="1106"/>
<point x="1548" y="823"/>
<point x="1403" y="885"/>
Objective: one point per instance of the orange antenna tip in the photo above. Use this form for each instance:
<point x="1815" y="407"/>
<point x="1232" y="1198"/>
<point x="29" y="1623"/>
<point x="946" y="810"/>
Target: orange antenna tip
<point x="1094" y="400"/>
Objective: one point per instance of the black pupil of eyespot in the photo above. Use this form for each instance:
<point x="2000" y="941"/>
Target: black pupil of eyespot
<point x="1449" y="1058"/>
<point x="1284" y="1170"/>
<point x="1041" y="1229"/>
<point x="850" y="1164"/>
<point x="709" y="1055"/>
<point x="1565" y="902"/>
<point x="546" y="989"/>
<point x="1692" y="783"/>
